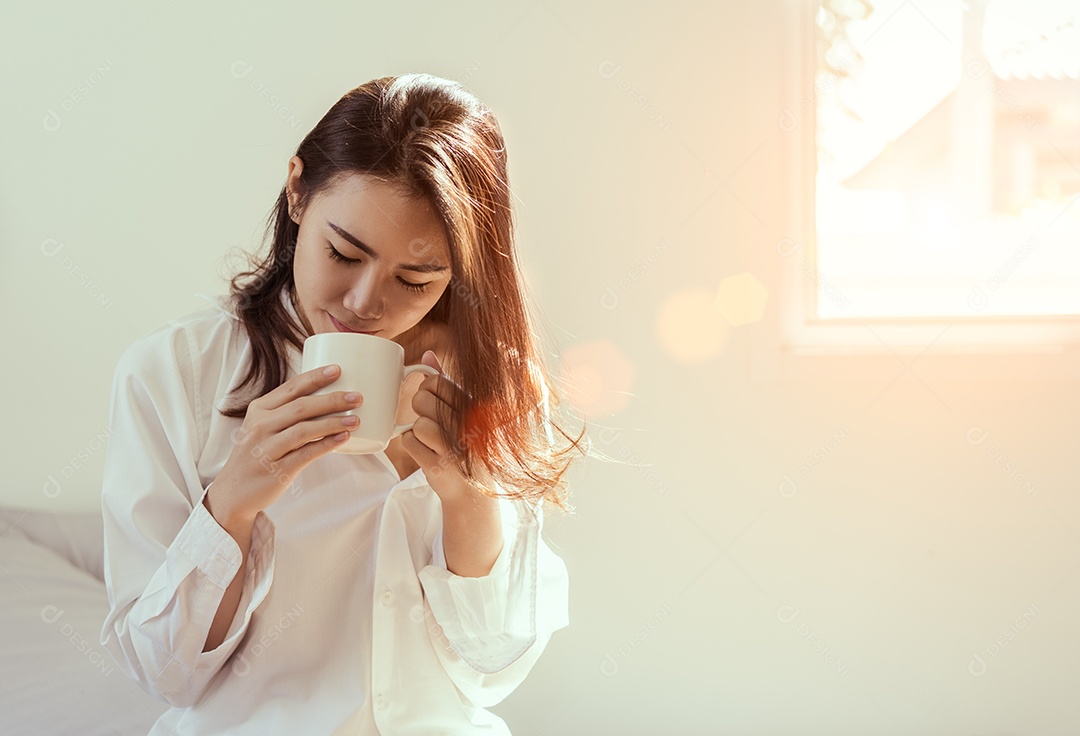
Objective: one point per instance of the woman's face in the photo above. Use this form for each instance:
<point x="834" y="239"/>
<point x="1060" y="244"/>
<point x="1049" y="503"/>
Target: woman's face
<point x="399" y="261"/>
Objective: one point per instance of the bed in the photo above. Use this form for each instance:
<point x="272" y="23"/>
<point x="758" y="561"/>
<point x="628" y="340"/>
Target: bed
<point x="57" y="678"/>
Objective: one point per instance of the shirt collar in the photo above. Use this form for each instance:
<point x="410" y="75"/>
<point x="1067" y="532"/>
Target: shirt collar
<point x="295" y="356"/>
<point x="220" y="301"/>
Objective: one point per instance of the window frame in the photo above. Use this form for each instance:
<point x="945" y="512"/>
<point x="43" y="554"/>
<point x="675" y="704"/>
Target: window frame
<point x="1000" y="345"/>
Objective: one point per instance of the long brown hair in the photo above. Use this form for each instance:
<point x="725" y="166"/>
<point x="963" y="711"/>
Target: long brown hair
<point x="434" y="139"/>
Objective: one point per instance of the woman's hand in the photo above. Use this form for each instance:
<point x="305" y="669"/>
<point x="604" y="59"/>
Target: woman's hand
<point x="472" y="526"/>
<point x="284" y="432"/>
<point x="429" y="443"/>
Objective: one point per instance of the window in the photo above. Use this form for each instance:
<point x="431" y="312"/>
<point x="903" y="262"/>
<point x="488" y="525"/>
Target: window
<point x="937" y="196"/>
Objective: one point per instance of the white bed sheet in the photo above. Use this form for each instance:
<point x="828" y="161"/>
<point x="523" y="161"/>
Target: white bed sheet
<point x="56" y="678"/>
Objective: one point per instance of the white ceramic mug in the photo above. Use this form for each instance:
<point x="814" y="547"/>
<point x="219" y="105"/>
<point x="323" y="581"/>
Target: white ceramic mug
<point x="375" y="368"/>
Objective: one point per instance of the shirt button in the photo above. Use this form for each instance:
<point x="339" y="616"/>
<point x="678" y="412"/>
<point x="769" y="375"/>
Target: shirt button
<point x="380" y="701"/>
<point x="387" y="598"/>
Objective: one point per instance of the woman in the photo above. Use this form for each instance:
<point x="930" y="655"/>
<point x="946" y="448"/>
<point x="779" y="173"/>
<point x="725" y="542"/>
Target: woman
<point x="260" y="583"/>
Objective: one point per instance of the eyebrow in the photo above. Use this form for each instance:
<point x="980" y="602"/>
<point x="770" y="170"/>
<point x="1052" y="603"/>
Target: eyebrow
<point x="418" y="267"/>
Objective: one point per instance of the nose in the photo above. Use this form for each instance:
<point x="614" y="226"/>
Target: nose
<point x="365" y="298"/>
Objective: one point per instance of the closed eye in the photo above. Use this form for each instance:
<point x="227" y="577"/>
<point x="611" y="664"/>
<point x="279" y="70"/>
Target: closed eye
<point x="411" y="286"/>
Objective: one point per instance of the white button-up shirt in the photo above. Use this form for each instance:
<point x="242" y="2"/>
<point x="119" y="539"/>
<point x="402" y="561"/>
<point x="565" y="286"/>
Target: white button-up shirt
<point x="349" y="621"/>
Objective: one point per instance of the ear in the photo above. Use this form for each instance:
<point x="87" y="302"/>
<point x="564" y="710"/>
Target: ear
<point x="293" y="188"/>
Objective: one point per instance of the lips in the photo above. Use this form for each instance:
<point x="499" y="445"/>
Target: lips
<point x="344" y="328"/>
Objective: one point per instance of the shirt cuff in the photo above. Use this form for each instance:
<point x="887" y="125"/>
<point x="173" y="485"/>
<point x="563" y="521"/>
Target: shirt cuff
<point x="489" y="621"/>
<point x="202" y="545"/>
<point x="216" y="554"/>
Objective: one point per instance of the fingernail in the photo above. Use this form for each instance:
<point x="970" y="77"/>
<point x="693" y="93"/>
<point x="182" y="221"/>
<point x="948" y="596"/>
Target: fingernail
<point x="330" y="370"/>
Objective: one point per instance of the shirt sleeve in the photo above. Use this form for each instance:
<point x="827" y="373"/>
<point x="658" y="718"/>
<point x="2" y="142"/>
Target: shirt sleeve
<point x="492" y="629"/>
<point x="167" y="560"/>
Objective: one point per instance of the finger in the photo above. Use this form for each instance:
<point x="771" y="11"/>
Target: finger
<point x="445" y="388"/>
<point x="303" y="433"/>
<point x="310" y="407"/>
<point x="301" y="384"/>
<point x="420" y="452"/>
<point x="431" y="434"/>
<point x="295" y="461"/>
<point x="427" y="404"/>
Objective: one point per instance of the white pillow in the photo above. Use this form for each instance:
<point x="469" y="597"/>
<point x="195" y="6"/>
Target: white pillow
<point x="78" y="537"/>
<point x="57" y="678"/>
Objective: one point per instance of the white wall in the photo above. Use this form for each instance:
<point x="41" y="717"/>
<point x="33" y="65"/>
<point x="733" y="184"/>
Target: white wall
<point x="703" y="601"/>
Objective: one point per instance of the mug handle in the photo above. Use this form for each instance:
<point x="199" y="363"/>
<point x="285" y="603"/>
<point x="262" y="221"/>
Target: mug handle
<point x="402" y="428"/>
